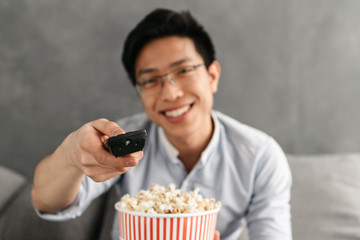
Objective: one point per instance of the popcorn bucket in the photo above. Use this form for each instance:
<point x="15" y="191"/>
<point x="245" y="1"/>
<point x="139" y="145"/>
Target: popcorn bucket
<point x="184" y="226"/>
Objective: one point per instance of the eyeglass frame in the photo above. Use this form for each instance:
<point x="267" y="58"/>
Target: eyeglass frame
<point x="169" y="78"/>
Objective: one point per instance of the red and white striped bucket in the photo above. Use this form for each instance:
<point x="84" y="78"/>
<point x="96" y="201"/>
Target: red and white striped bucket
<point x="185" y="226"/>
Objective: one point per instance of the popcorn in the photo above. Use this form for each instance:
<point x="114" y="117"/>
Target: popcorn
<point x="161" y="200"/>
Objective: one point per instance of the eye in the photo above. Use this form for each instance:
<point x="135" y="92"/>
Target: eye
<point x="149" y="83"/>
<point x="183" y="71"/>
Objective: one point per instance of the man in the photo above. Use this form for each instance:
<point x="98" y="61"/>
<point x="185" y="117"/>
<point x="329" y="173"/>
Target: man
<point x="171" y="61"/>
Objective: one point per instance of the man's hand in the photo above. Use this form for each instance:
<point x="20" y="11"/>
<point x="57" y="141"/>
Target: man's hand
<point x="217" y="235"/>
<point x="58" y="177"/>
<point x="88" y="154"/>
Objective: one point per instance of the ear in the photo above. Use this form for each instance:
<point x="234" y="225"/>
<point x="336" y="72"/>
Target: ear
<point x="214" y="73"/>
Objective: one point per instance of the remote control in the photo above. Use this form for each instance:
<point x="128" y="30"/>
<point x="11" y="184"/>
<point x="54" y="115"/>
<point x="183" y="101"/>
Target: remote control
<point x="126" y="143"/>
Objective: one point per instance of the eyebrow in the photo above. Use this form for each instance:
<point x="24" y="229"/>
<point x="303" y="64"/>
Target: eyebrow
<point x="177" y="63"/>
<point x="171" y="65"/>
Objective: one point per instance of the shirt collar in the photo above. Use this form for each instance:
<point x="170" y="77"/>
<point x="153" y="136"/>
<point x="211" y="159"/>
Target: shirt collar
<point x="173" y="153"/>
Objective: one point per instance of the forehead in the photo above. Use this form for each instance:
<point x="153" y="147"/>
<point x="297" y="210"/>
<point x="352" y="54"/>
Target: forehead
<point x="161" y="53"/>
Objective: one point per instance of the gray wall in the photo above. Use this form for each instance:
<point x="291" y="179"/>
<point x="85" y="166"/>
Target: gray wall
<point x="290" y="68"/>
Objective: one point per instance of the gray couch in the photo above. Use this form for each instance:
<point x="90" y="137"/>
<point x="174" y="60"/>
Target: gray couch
<point x="325" y="204"/>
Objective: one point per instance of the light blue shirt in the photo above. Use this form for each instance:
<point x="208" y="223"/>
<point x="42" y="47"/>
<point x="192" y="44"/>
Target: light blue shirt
<point x="242" y="167"/>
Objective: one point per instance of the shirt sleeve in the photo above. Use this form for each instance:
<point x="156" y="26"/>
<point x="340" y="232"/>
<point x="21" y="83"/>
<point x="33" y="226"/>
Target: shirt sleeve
<point x="268" y="216"/>
<point x="89" y="190"/>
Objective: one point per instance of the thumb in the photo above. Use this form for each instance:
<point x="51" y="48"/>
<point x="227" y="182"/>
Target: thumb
<point x="107" y="127"/>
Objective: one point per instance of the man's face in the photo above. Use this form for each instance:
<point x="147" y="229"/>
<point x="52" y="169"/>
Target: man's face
<point x="180" y="109"/>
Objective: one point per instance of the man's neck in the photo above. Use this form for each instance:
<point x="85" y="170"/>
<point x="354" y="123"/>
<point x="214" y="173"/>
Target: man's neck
<point x="191" y="147"/>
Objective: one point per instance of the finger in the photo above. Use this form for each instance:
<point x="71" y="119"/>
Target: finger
<point x="105" y="177"/>
<point x="130" y="160"/>
<point x="88" y="160"/>
<point x="104" y="160"/>
<point x="100" y="174"/>
<point x="217" y="235"/>
<point x="93" y="169"/>
<point x="107" y="127"/>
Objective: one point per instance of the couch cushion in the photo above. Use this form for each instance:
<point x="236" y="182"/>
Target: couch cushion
<point x="326" y="196"/>
<point x="10" y="183"/>
<point x="19" y="221"/>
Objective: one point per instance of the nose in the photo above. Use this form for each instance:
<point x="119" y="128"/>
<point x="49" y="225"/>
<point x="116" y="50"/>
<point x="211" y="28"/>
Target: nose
<point x="169" y="79"/>
<point x="170" y="90"/>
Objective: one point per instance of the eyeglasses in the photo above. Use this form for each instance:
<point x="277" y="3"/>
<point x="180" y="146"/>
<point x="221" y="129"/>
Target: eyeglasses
<point x="178" y="77"/>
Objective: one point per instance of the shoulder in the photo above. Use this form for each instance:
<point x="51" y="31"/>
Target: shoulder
<point x="248" y="142"/>
<point x="239" y="132"/>
<point x="256" y="153"/>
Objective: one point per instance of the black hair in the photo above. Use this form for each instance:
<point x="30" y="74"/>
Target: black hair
<point x="163" y="23"/>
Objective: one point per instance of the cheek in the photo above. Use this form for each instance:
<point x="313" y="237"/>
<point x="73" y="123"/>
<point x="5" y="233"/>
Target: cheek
<point x="149" y="106"/>
<point x="203" y="88"/>
<point x="146" y="104"/>
<point x="206" y="93"/>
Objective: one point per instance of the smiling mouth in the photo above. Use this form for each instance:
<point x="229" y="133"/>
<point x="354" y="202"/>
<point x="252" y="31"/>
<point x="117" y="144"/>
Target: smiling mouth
<point x="177" y="112"/>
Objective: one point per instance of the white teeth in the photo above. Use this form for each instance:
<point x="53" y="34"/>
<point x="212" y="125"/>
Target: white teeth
<point x="177" y="112"/>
